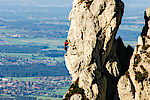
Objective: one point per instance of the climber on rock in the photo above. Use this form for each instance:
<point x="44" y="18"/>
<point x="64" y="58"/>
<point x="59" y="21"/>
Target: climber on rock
<point x="66" y="45"/>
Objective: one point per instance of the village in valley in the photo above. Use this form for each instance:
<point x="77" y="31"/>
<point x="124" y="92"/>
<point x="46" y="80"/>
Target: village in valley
<point x="53" y="87"/>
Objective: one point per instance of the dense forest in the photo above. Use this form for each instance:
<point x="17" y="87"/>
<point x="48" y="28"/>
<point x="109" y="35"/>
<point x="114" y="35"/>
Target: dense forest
<point x="21" y="48"/>
<point x="33" y="70"/>
<point x="17" y="98"/>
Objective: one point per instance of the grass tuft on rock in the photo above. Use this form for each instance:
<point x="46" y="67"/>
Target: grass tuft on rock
<point x="75" y="89"/>
<point x="88" y="3"/>
<point x="140" y="77"/>
<point x="127" y="75"/>
<point x="145" y="47"/>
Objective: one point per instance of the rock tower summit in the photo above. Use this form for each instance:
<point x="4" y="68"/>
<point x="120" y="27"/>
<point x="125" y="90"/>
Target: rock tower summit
<point x="99" y="63"/>
<point x="92" y="48"/>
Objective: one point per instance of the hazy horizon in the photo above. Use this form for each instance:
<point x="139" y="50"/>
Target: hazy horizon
<point x="66" y="3"/>
<point x="37" y="3"/>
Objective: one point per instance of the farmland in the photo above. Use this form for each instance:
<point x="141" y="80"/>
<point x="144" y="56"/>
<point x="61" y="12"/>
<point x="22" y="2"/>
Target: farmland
<point x="34" y="87"/>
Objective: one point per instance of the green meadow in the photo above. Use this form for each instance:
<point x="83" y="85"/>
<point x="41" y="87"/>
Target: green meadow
<point x="52" y="43"/>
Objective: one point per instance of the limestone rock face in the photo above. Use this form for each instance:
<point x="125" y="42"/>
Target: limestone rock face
<point x="135" y="84"/>
<point x="92" y="57"/>
<point x="76" y="97"/>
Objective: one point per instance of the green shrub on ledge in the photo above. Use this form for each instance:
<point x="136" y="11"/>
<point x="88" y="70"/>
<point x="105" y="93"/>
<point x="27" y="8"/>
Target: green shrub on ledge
<point x="145" y="47"/>
<point x="127" y="74"/>
<point x="140" y="77"/>
<point x="75" y="89"/>
<point x="88" y="3"/>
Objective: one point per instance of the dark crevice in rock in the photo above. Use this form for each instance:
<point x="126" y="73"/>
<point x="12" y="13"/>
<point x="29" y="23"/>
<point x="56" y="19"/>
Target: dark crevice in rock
<point x="111" y="85"/>
<point x="124" y="54"/>
<point x="99" y="33"/>
<point x="132" y="87"/>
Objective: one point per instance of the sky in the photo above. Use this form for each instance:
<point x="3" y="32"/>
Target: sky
<point x="129" y="4"/>
<point x="134" y="6"/>
<point x="39" y="3"/>
<point x="137" y="3"/>
<point x="67" y="3"/>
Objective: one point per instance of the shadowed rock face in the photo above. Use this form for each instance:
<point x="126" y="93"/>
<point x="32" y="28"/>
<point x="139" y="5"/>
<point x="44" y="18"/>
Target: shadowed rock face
<point x="135" y="85"/>
<point x="94" y="57"/>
